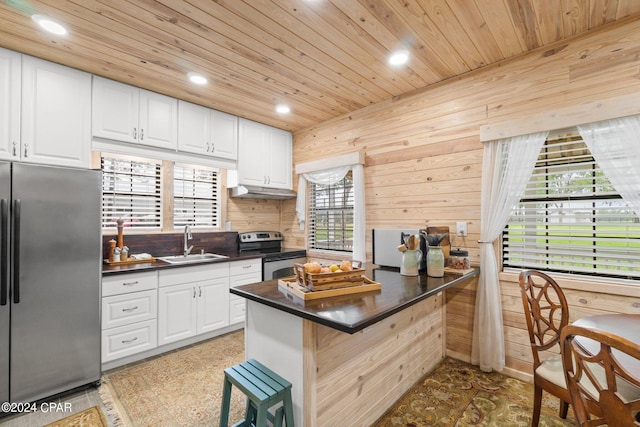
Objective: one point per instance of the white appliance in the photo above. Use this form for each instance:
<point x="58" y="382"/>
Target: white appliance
<point x="50" y="264"/>
<point x="385" y="246"/>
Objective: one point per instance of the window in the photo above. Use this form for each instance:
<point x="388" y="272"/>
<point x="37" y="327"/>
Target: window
<point x="331" y="215"/>
<point x="571" y="219"/>
<point x="131" y="191"/>
<point x="195" y="197"/>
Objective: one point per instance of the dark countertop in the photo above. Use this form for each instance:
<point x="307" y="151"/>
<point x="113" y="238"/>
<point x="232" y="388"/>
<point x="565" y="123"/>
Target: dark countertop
<point x="108" y="270"/>
<point x="353" y="313"/>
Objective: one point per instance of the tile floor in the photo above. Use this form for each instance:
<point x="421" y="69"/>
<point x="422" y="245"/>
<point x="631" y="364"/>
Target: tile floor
<point x="74" y="402"/>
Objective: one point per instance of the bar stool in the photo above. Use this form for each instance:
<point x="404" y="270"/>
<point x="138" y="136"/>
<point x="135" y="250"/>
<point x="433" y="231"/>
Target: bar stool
<point x="264" y="389"/>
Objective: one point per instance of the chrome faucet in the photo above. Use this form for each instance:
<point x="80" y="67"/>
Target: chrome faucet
<point x="187" y="236"/>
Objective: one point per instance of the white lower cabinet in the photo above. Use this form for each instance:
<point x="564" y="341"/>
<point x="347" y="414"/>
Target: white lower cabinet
<point x="129" y="314"/>
<point x="192" y="301"/>
<point x="129" y="340"/>
<point x="141" y="312"/>
<point x="120" y="310"/>
<point x="242" y="273"/>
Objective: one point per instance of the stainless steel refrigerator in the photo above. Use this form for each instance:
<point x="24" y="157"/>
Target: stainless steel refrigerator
<point x="50" y="263"/>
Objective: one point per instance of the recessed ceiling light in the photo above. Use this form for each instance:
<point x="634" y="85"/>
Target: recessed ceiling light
<point x="399" y="57"/>
<point x="197" y="78"/>
<point x="49" y="24"/>
<point x="283" y="109"/>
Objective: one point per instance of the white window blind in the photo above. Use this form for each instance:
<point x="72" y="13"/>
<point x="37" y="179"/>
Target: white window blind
<point x="195" y="197"/>
<point x="331" y="215"/>
<point x="131" y="191"/>
<point x="571" y="219"/>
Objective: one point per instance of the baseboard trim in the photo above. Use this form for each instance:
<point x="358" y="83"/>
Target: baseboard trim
<point x="510" y="372"/>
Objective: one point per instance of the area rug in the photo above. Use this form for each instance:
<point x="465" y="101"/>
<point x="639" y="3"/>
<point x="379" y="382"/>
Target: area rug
<point x="180" y="388"/>
<point x="184" y="388"/>
<point x="457" y="394"/>
<point x="92" y="417"/>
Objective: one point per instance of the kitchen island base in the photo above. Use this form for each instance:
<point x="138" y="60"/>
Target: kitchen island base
<point x="347" y="379"/>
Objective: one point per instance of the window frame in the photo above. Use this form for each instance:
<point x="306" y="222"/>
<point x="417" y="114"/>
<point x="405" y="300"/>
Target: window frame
<point x="167" y="193"/>
<point x="345" y="208"/>
<point x="154" y="198"/>
<point x="215" y="199"/>
<point x="601" y="190"/>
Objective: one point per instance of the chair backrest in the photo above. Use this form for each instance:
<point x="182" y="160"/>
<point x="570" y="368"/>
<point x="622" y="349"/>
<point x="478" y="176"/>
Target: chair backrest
<point x="599" y="375"/>
<point x="546" y="311"/>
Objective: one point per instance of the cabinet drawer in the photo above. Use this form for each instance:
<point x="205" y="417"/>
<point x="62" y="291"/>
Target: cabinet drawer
<point x="237" y="308"/>
<point x="120" y="310"/>
<point x="244" y="279"/>
<point x="247" y="266"/>
<point x="128" y="340"/>
<point x="124" y="283"/>
<point x="177" y="276"/>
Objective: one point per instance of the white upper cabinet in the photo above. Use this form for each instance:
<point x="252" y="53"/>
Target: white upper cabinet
<point x="45" y="112"/>
<point x="115" y="110"/>
<point x="56" y="114"/>
<point x="280" y="158"/>
<point x="129" y="114"/>
<point x="264" y="155"/>
<point x="10" y="85"/>
<point x="158" y="120"/>
<point x="208" y="132"/>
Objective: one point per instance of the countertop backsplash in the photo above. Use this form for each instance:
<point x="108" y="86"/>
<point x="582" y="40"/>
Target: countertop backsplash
<point x="167" y="244"/>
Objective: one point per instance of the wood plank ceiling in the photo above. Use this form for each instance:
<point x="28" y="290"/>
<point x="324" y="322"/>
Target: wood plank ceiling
<point x="323" y="58"/>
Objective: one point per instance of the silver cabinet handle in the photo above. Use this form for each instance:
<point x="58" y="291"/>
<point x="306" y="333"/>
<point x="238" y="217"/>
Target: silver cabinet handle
<point x="25" y="149"/>
<point x="129" y="283"/>
<point x="130" y="341"/>
<point x="127" y="310"/>
<point x="213" y="147"/>
<point x="200" y="290"/>
<point x="141" y="134"/>
<point x="246" y="266"/>
<point x="135" y="133"/>
<point x="15" y="153"/>
<point x="194" y="291"/>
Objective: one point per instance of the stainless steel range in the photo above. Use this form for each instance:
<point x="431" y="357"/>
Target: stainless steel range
<point x="276" y="262"/>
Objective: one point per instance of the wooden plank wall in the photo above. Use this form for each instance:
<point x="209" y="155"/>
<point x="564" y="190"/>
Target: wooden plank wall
<point x="424" y="155"/>
<point x="253" y="214"/>
<point x="353" y="379"/>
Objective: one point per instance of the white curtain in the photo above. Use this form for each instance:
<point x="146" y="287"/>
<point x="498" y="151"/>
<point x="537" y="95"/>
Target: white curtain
<point x="506" y="168"/>
<point x="615" y="145"/>
<point x="332" y="176"/>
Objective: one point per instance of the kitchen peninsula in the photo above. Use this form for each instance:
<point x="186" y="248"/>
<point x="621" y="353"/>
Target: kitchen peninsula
<point x="349" y="357"/>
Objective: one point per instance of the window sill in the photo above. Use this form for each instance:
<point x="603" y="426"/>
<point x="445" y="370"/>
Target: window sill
<point x="590" y="284"/>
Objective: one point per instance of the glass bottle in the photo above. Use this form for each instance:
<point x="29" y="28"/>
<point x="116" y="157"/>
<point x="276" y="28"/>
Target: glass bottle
<point x="435" y="262"/>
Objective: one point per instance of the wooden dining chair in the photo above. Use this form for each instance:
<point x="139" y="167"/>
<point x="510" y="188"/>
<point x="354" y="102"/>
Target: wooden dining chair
<point x="600" y="375"/>
<point x="547" y="313"/>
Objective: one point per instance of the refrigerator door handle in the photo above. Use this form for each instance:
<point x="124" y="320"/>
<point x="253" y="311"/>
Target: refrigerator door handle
<point x="4" y="256"/>
<point x="15" y="270"/>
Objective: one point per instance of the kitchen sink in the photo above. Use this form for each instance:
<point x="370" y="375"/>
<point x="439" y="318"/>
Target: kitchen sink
<point x="191" y="258"/>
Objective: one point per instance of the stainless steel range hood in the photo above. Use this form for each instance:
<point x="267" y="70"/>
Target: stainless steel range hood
<point x="257" y="192"/>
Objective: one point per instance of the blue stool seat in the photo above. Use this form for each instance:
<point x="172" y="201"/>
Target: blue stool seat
<point x="264" y="389"/>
